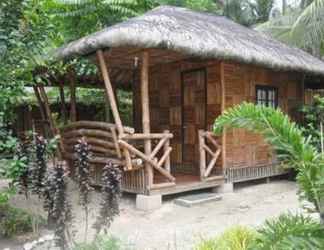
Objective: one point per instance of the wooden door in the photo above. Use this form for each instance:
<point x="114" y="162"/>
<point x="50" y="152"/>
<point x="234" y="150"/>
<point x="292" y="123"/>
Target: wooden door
<point x="193" y="117"/>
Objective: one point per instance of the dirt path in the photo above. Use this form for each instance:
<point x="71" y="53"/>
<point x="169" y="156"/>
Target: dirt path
<point x="176" y="227"/>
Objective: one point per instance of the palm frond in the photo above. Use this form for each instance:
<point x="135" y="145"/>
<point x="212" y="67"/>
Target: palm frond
<point x="287" y="140"/>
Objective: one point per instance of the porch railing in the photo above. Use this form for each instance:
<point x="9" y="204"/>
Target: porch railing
<point x="209" y="151"/>
<point x="159" y="158"/>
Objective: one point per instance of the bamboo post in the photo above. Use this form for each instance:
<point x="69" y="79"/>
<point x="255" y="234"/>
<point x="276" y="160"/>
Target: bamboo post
<point x="41" y="109"/>
<point x="63" y="107"/>
<point x="223" y="106"/>
<point x="146" y="115"/>
<point x="113" y="104"/>
<point x="72" y="96"/>
<point x="47" y="110"/>
<point x="110" y="92"/>
<point x="202" y="161"/>
<point x="167" y="165"/>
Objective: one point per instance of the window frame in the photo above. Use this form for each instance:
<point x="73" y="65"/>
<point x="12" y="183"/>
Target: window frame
<point x="267" y="89"/>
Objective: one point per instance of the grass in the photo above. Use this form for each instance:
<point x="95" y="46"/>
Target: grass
<point x="101" y="243"/>
<point x="235" y="238"/>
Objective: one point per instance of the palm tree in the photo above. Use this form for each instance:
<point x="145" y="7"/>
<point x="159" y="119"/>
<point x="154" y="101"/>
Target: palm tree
<point x="302" y="26"/>
<point x="286" y="138"/>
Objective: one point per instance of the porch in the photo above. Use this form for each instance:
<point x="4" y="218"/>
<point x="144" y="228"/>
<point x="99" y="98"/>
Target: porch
<point x="142" y="174"/>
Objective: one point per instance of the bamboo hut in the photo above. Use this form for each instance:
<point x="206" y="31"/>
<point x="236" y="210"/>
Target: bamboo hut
<point x="185" y="68"/>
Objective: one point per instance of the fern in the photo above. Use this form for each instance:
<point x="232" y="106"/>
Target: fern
<point x="286" y="138"/>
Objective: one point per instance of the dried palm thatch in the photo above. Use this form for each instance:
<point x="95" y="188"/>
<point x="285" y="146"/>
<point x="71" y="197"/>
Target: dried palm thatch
<point x="196" y="34"/>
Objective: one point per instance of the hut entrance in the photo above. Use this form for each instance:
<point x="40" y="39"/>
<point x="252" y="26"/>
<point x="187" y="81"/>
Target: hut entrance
<point x="193" y="117"/>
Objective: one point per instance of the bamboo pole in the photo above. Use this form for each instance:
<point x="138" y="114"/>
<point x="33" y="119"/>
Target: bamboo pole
<point x="47" y="110"/>
<point x="113" y="104"/>
<point x="167" y="165"/>
<point x="63" y="107"/>
<point x="202" y="162"/>
<point x="110" y="92"/>
<point x="41" y="110"/>
<point x="146" y="115"/>
<point x="223" y="105"/>
<point x="72" y="82"/>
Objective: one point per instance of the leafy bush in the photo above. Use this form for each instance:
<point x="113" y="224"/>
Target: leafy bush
<point x="14" y="221"/>
<point x="101" y="243"/>
<point x="235" y="238"/>
<point x="290" y="232"/>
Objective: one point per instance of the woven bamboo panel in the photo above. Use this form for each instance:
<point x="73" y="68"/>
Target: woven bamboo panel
<point x="244" y="148"/>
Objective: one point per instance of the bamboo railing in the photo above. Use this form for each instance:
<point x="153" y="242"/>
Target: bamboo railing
<point x="208" y="145"/>
<point x="158" y="159"/>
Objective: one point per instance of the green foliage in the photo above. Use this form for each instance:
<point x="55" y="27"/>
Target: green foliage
<point x="302" y="26"/>
<point x="15" y="221"/>
<point x="101" y="243"/>
<point x="5" y="195"/>
<point x="290" y="232"/>
<point x="235" y="238"/>
<point x="314" y="116"/>
<point x="287" y="139"/>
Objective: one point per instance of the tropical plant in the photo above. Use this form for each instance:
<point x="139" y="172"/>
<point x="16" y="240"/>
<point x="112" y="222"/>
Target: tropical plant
<point x="290" y="232"/>
<point x="110" y="191"/>
<point x="301" y="26"/>
<point x="82" y="166"/>
<point x="235" y="238"/>
<point x="286" y="138"/>
<point x="313" y="122"/>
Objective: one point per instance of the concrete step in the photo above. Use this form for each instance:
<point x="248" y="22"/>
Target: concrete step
<point x="197" y="199"/>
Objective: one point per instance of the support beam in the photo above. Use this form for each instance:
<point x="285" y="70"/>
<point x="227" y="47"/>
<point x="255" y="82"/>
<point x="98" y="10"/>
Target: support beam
<point x="47" y="110"/>
<point x="63" y="106"/>
<point x="72" y="81"/>
<point x="110" y="92"/>
<point x="113" y="104"/>
<point x="223" y="105"/>
<point x="146" y="115"/>
<point x="41" y="110"/>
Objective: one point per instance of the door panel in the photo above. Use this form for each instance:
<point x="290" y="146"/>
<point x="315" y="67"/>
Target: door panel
<point x="193" y="116"/>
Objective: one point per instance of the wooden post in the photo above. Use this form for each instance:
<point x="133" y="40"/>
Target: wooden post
<point x="223" y="105"/>
<point x="72" y="82"/>
<point x="41" y="110"/>
<point x="113" y="104"/>
<point x="110" y="92"/>
<point x="146" y="115"/>
<point x="47" y="110"/>
<point x="62" y="97"/>
<point x="202" y="153"/>
<point x="166" y="146"/>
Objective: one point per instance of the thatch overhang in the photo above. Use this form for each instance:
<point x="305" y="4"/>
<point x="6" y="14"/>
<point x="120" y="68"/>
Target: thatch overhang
<point x="190" y="34"/>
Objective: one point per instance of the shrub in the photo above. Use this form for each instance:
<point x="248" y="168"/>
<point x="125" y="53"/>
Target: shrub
<point x="15" y="221"/>
<point x="235" y="238"/>
<point x="101" y="243"/>
<point x="290" y="232"/>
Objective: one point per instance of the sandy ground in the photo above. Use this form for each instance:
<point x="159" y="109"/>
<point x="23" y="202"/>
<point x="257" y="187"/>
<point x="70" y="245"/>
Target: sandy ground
<point x="176" y="227"/>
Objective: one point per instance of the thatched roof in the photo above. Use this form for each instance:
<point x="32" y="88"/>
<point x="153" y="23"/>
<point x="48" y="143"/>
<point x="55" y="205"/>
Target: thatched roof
<point x="196" y="34"/>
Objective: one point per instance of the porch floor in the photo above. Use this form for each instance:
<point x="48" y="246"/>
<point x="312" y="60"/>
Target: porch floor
<point x="187" y="182"/>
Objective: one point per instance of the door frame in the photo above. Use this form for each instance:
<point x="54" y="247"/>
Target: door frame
<point x="204" y="70"/>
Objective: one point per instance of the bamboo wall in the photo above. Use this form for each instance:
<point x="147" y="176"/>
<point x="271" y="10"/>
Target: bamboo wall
<point x="166" y="105"/>
<point x="242" y="147"/>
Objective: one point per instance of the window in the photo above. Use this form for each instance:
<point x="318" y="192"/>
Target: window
<point x="266" y="95"/>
